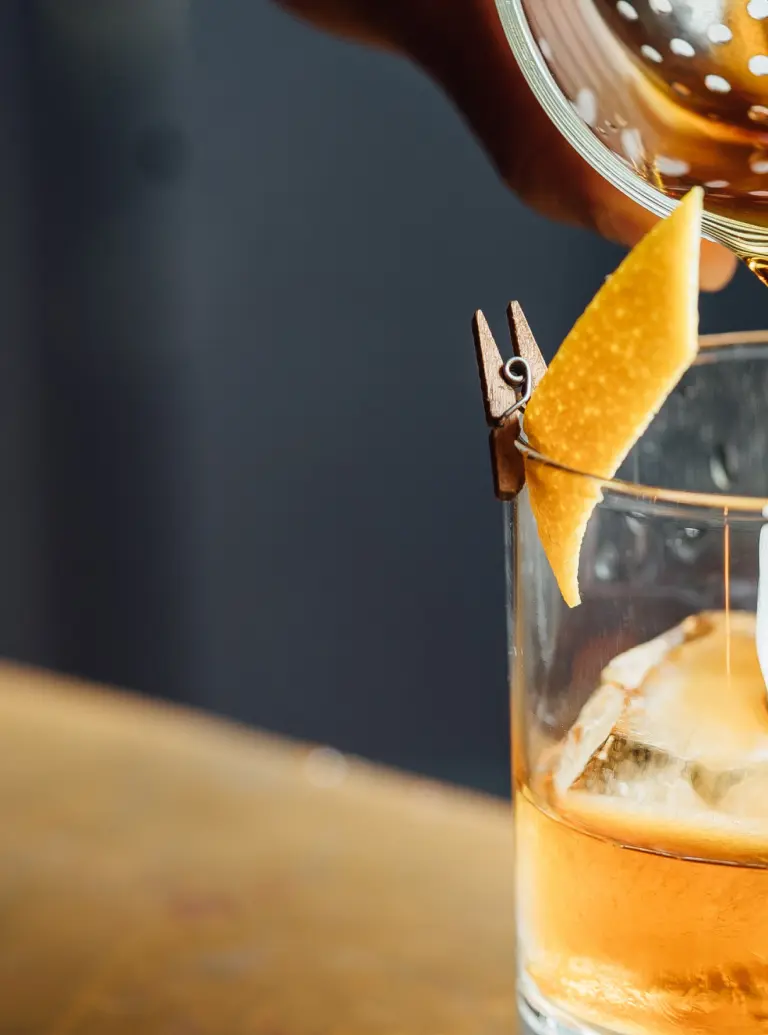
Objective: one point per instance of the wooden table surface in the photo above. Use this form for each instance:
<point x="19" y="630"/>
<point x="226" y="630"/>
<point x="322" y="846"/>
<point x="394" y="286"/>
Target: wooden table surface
<point x="165" y="874"/>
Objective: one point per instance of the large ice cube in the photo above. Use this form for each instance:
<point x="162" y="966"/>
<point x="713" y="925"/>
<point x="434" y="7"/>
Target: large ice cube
<point x="680" y="722"/>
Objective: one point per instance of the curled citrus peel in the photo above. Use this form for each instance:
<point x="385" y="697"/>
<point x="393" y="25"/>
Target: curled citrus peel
<point x="610" y="377"/>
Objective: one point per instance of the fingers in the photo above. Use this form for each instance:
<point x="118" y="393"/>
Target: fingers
<point x="718" y="266"/>
<point x="468" y="54"/>
<point x="620" y="219"/>
<point x="530" y="152"/>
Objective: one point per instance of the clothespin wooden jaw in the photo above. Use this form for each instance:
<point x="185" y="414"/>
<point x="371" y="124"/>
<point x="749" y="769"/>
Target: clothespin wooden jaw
<point x="506" y="388"/>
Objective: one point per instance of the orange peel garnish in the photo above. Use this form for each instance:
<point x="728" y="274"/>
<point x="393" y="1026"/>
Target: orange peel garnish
<point x="610" y="377"/>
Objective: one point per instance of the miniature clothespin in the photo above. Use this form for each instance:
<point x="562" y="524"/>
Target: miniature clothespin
<point x="507" y="387"/>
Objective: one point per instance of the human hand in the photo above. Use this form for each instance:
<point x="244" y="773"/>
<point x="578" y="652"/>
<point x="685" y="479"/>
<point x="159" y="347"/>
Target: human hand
<point x="461" y="44"/>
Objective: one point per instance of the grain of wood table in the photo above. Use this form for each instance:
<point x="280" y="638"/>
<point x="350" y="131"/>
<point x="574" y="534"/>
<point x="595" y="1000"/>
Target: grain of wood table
<point x="165" y="874"/>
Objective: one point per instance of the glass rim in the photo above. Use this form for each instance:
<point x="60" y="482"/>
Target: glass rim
<point x="733" y="233"/>
<point x="636" y="496"/>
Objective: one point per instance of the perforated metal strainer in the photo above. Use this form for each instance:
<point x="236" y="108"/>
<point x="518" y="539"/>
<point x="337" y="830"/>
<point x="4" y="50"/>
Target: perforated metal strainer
<point x="659" y="95"/>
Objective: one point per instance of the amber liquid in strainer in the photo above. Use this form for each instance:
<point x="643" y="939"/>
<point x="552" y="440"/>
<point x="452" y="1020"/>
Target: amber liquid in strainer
<point x="678" y="91"/>
<point x="730" y="143"/>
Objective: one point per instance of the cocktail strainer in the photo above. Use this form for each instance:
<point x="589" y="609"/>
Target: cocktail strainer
<point x="660" y="95"/>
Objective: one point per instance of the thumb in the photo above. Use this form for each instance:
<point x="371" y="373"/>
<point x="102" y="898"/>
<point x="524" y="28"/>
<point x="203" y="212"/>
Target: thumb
<point x="622" y="220"/>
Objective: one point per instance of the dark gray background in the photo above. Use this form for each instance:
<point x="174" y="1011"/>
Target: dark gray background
<point x="236" y="260"/>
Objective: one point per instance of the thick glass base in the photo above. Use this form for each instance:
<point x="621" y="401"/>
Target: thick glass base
<point x="542" y="1017"/>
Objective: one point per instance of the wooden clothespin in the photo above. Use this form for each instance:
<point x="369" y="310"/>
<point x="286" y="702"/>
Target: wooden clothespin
<point x="507" y="387"/>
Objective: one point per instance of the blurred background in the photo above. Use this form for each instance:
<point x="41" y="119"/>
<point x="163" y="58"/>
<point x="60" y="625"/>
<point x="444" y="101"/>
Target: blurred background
<point x="242" y="455"/>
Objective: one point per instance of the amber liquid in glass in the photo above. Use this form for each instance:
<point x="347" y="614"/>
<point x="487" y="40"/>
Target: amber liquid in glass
<point x="642" y="844"/>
